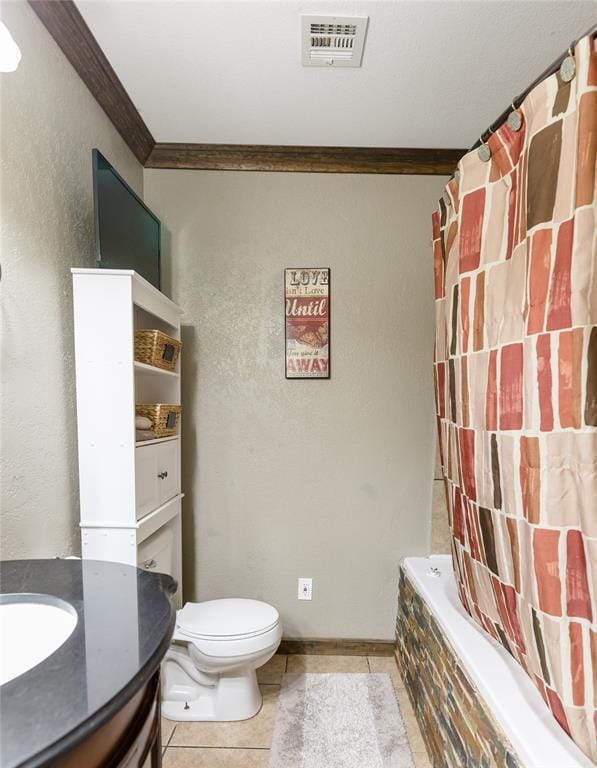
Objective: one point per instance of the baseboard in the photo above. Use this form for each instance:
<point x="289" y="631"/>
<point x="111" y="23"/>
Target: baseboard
<point x="336" y="647"/>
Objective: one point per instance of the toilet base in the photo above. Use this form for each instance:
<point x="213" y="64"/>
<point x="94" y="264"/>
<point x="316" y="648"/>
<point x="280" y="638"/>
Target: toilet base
<point x="232" y="696"/>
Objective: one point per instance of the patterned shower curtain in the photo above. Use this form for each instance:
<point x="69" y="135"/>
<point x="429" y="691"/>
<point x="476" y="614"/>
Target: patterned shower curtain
<point x="515" y="255"/>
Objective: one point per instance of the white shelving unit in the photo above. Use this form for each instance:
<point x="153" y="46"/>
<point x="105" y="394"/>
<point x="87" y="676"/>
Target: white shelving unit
<point x="130" y="491"/>
<point x="143" y="368"/>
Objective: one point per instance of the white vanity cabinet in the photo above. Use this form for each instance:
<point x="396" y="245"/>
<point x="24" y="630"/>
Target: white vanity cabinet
<point x="130" y="491"/>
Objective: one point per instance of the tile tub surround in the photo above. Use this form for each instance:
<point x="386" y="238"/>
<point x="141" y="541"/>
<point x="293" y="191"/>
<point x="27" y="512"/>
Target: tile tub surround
<point x="457" y="728"/>
<point x="441" y="535"/>
<point x="246" y="744"/>
<point x="474" y="702"/>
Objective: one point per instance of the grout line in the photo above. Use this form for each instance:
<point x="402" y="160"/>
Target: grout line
<point x="286" y="665"/>
<point x="171" y="735"/>
<point x="368" y="664"/>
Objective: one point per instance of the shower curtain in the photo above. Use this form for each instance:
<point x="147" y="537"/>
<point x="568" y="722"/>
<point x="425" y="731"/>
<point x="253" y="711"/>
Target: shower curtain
<point x="515" y="258"/>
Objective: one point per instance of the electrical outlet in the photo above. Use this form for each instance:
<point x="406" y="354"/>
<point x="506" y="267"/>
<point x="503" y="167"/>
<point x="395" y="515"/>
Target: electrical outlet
<point x="305" y="589"/>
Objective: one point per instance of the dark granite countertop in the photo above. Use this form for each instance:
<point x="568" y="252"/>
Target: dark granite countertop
<point x="125" y="621"/>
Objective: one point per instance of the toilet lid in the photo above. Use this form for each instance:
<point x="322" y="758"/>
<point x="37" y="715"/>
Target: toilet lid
<point x="231" y="617"/>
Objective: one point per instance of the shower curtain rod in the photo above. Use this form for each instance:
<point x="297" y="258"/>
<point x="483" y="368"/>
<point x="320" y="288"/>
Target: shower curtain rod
<point x="554" y="67"/>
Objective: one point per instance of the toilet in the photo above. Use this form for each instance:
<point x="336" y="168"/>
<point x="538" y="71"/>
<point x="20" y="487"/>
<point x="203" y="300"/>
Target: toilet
<point x="209" y="672"/>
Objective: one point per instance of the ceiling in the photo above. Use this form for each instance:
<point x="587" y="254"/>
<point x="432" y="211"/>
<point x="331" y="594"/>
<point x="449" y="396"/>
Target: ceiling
<point x="435" y="73"/>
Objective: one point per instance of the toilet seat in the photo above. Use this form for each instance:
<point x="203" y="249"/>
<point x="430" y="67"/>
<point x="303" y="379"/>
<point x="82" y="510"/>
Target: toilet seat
<point x="227" y="619"/>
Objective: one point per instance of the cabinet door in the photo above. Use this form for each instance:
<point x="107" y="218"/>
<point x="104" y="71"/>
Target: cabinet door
<point x="156" y="552"/>
<point x="168" y="470"/>
<point x="147" y="488"/>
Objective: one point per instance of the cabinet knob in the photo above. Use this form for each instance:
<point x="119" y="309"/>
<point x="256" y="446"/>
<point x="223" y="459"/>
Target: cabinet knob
<point x="150" y="563"/>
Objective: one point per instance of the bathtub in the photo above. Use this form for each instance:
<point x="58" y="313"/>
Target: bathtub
<point x="508" y="693"/>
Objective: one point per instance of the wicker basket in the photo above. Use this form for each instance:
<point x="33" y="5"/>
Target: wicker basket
<point x="156" y="348"/>
<point x="164" y="417"/>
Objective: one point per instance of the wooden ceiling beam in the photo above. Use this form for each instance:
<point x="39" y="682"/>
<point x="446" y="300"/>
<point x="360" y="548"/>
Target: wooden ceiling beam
<point x="304" y="159"/>
<point x="64" y="22"/>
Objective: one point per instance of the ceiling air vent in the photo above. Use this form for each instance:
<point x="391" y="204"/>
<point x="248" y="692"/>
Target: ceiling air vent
<point x="333" y="41"/>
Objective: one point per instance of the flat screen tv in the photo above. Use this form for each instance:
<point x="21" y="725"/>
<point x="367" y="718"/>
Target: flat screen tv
<point x="127" y="233"/>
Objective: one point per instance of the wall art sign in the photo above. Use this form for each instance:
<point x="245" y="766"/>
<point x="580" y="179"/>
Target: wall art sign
<point x="307" y="298"/>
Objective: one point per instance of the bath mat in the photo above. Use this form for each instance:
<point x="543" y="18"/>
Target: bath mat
<point x="339" y="721"/>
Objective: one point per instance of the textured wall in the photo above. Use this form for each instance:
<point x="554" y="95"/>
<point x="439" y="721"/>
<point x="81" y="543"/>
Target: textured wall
<point x="50" y="122"/>
<point x="328" y="479"/>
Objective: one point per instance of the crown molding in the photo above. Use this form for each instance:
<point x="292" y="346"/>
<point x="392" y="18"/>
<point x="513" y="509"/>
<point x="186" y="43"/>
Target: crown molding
<point x="302" y="159"/>
<point x="65" y="24"/>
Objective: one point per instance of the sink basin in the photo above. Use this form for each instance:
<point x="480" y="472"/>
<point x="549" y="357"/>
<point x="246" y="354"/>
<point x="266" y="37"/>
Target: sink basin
<point x="32" y="627"/>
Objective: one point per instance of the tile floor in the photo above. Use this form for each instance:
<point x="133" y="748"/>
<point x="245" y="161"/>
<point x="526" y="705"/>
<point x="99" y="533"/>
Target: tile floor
<point x="246" y="744"/>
